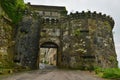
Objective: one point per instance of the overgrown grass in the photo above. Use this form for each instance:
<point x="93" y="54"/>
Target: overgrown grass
<point x="109" y="73"/>
<point x="7" y="66"/>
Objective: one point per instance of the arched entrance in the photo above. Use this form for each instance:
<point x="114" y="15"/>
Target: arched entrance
<point x="48" y="55"/>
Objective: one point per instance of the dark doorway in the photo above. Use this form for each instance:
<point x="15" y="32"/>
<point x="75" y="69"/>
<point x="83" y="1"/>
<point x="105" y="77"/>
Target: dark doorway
<point x="48" y="55"/>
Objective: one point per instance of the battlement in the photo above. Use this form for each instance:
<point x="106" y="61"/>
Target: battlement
<point x="92" y="15"/>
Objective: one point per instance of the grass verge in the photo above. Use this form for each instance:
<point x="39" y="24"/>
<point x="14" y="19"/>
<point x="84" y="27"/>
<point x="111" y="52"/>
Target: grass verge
<point x="109" y="73"/>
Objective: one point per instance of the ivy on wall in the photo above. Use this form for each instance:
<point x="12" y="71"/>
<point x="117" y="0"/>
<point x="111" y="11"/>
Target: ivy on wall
<point x="13" y="8"/>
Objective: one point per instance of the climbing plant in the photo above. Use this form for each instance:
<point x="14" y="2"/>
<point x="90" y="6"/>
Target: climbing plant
<point x="13" y="8"/>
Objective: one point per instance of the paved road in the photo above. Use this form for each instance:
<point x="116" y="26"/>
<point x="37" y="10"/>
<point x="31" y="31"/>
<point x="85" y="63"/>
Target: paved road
<point x="53" y="75"/>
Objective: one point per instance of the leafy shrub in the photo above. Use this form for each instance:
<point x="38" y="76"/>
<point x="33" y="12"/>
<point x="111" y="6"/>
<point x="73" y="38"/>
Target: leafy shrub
<point x="98" y="70"/>
<point x="12" y="8"/>
<point x="110" y="73"/>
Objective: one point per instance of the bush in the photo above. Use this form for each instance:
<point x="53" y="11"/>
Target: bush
<point x="98" y="70"/>
<point x="12" y="8"/>
<point x="109" y="73"/>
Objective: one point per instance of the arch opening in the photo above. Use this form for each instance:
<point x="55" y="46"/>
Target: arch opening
<point x="48" y="55"/>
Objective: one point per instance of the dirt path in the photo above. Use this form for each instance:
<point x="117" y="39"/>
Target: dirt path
<point x="53" y="75"/>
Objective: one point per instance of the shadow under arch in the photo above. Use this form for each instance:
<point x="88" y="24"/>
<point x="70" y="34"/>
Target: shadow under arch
<point x="50" y="45"/>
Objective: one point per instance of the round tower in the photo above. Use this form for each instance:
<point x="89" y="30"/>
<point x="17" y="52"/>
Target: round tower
<point x="88" y="40"/>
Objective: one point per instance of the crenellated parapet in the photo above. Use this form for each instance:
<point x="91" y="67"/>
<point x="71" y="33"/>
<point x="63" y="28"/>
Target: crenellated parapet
<point x="91" y="15"/>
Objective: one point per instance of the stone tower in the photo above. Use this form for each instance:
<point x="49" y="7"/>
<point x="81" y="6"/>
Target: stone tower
<point x="87" y="40"/>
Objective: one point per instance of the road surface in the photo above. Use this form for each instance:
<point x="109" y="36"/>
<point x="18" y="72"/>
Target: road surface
<point x="53" y="74"/>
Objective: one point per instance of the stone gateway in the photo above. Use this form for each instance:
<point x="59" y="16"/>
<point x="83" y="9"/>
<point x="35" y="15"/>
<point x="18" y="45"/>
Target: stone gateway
<point x="83" y="40"/>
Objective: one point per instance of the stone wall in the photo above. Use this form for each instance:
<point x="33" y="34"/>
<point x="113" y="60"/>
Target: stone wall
<point x="88" y="41"/>
<point x="6" y="40"/>
<point x="51" y="32"/>
<point x="27" y="42"/>
<point x="84" y="40"/>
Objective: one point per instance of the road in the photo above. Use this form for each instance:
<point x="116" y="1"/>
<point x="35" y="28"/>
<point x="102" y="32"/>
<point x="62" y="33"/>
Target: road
<point x="53" y="74"/>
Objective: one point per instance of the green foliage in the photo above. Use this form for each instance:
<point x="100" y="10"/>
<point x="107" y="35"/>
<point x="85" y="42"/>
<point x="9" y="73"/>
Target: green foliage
<point x="64" y="12"/>
<point x="4" y="63"/>
<point x="12" y="8"/>
<point x="99" y="71"/>
<point x="77" y="32"/>
<point x="110" y="73"/>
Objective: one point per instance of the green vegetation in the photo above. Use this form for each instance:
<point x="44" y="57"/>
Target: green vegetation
<point x="63" y="12"/>
<point x="77" y="32"/>
<point x="109" y="73"/>
<point x="6" y="66"/>
<point x="13" y="8"/>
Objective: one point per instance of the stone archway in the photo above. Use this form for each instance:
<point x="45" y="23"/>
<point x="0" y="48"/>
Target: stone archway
<point x="48" y="54"/>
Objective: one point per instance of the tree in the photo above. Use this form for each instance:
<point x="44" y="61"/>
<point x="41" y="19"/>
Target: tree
<point x="13" y="8"/>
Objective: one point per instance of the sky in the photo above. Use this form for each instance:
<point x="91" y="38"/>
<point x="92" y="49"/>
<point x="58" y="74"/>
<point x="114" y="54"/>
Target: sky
<point x="109" y="7"/>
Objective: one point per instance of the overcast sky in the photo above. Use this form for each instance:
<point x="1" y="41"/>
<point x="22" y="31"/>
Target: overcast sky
<point x="109" y="7"/>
